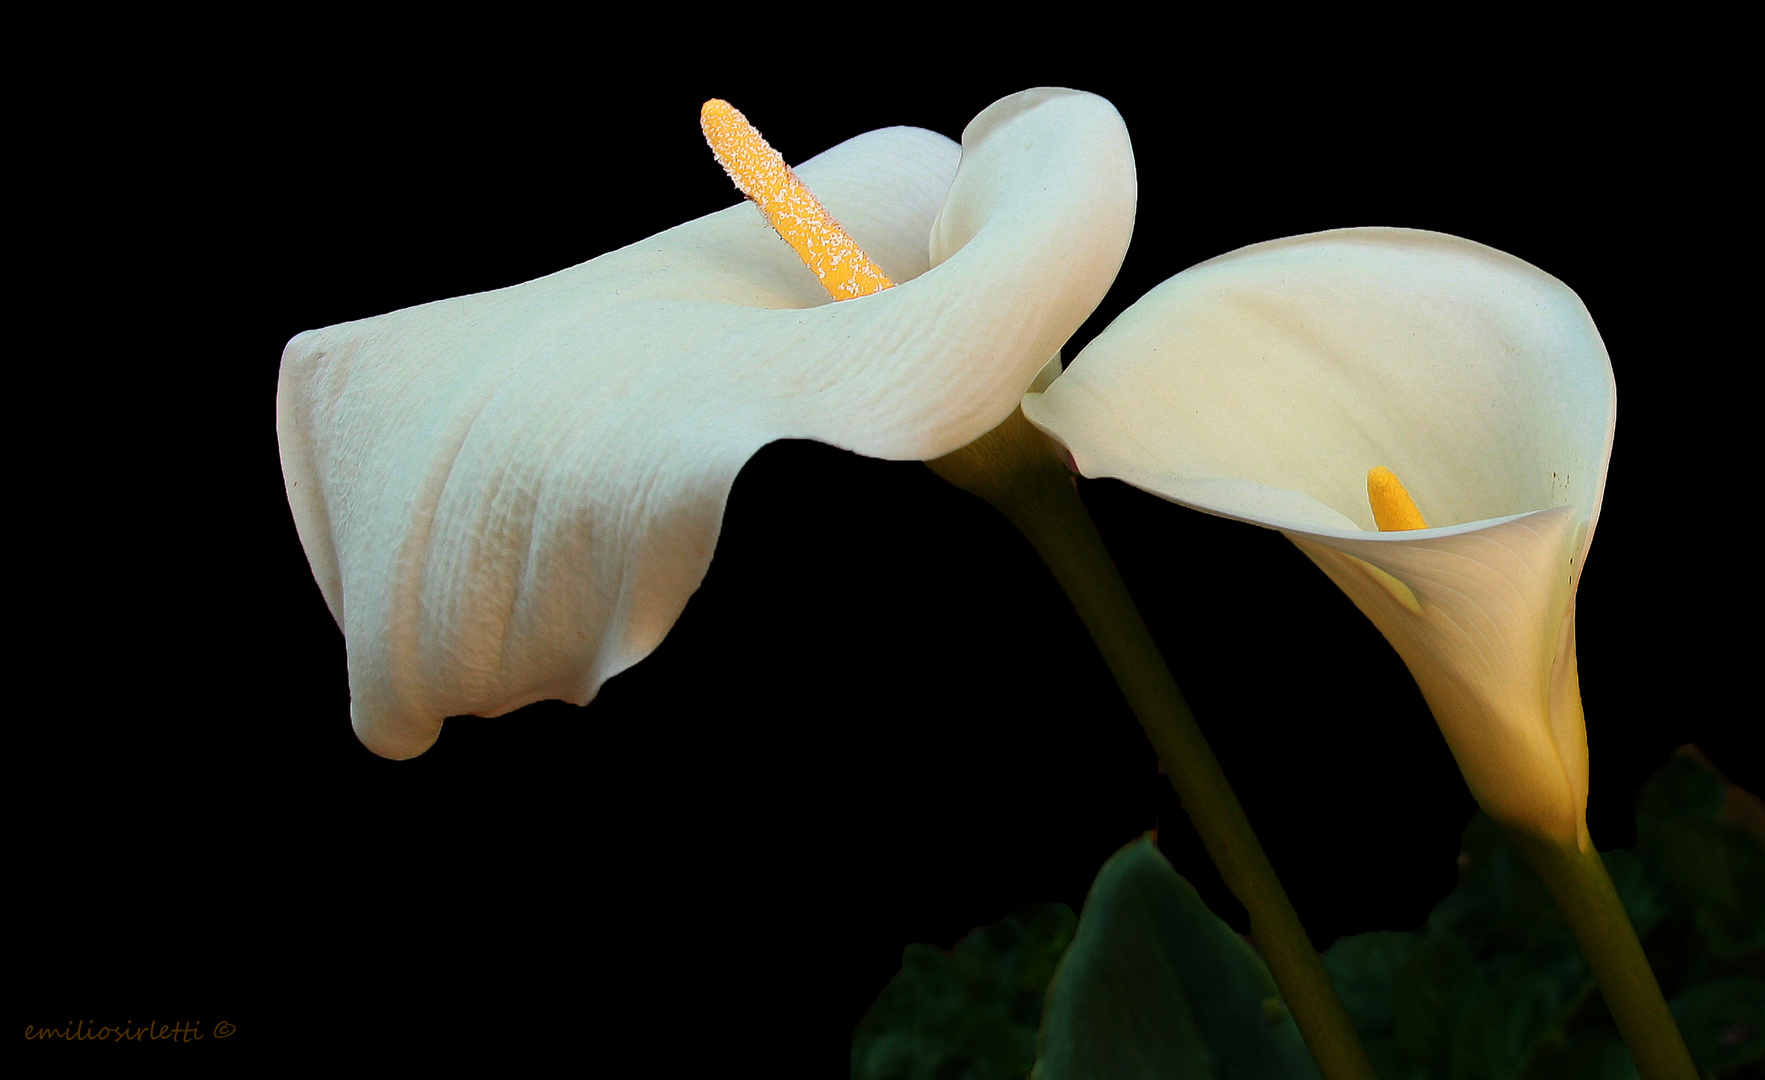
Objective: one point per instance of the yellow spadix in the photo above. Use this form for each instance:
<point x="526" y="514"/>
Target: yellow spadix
<point x="1393" y="509"/>
<point x="760" y="172"/>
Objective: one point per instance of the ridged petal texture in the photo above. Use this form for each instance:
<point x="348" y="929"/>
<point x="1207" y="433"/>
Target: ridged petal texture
<point x="1264" y="384"/>
<point x="509" y="497"/>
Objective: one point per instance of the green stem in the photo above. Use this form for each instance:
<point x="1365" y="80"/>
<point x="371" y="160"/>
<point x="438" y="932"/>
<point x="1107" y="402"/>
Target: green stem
<point x="1014" y="468"/>
<point x="1578" y="881"/>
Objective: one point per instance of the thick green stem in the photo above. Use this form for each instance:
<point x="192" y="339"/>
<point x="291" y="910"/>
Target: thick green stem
<point x="1577" y="879"/>
<point x="1015" y="469"/>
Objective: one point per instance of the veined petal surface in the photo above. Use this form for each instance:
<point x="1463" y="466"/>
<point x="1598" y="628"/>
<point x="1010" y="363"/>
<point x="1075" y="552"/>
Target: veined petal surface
<point x="1264" y="384"/>
<point x="509" y="496"/>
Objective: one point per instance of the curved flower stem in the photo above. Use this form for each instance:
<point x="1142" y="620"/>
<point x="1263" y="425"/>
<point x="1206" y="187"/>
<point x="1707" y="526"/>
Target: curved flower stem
<point x="1578" y="881"/>
<point x="1015" y="469"/>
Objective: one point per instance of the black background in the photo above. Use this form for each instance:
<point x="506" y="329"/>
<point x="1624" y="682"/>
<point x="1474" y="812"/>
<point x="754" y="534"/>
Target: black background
<point x="877" y="722"/>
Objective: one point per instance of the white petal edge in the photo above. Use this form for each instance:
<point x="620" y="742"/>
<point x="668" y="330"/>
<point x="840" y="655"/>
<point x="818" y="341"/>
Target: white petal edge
<point x="1477" y="377"/>
<point x="509" y="497"/>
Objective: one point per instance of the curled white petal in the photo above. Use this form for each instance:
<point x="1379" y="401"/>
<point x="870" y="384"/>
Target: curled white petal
<point x="1488" y="631"/>
<point x="1264" y="384"/>
<point x="509" y="496"/>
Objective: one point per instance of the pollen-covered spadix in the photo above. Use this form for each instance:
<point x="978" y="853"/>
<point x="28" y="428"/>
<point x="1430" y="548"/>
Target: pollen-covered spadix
<point x="510" y="496"/>
<point x="1265" y="384"/>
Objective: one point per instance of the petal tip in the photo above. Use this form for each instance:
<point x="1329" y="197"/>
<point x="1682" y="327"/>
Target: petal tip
<point x="392" y="740"/>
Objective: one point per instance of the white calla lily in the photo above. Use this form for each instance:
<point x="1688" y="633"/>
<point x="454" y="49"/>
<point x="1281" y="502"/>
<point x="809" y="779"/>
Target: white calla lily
<point x="509" y="497"/>
<point x="1263" y="385"/>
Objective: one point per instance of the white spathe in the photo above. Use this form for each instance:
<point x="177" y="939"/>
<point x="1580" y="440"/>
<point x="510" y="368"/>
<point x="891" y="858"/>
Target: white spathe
<point x="509" y="497"/>
<point x="1264" y="384"/>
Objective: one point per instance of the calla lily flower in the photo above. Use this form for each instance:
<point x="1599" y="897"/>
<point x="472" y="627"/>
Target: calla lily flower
<point x="1265" y="384"/>
<point x="509" y="497"/>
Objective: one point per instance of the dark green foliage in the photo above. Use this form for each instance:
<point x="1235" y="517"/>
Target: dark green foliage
<point x="1491" y="987"/>
<point x="970" y="1014"/>
<point x="1156" y="986"/>
<point x="1715" y="870"/>
<point x="1471" y="994"/>
<point x="1723" y="1021"/>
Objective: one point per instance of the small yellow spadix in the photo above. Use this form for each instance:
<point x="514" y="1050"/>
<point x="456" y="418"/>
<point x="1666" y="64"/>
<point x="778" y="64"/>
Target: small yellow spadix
<point x="1393" y="509"/>
<point x="760" y="172"/>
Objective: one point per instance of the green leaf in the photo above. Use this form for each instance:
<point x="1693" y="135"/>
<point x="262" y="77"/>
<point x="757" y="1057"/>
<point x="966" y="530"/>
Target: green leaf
<point x="1682" y="789"/>
<point x="1494" y="986"/>
<point x="1714" y="869"/>
<point x="1491" y="978"/>
<point x="1500" y="903"/>
<point x="1641" y="888"/>
<point x="1585" y="1055"/>
<point x="1718" y="871"/>
<point x="971" y="1013"/>
<point x="1518" y="1007"/>
<point x="1433" y="993"/>
<point x="1723" y="1022"/>
<point x="1155" y="986"/>
<point x="1364" y="968"/>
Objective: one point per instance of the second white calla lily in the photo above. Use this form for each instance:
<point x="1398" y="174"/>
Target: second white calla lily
<point x="510" y="496"/>
<point x="1264" y="385"/>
